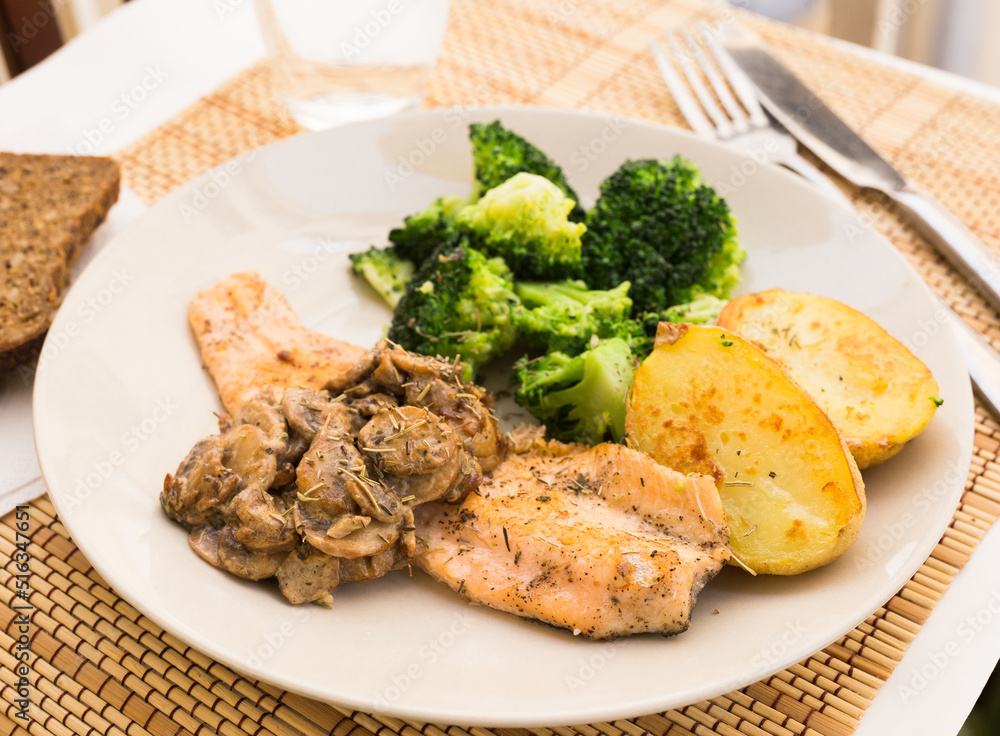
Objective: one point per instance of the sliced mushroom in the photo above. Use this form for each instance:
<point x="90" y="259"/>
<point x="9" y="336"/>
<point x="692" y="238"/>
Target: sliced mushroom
<point x="347" y="525"/>
<point x="407" y="440"/>
<point x="386" y="374"/>
<point x="250" y="454"/>
<point x="205" y="542"/>
<point x="263" y="411"/>
<point x="468" y="479"/>
<point x="197" y="494"/>
<point x="368" y="568"/>
<point x="333" y="479"/>
<point x="462" y="409"/>
<point x="408" y="533"/>
<point x="371" y="405"/>
<point x="285" y="490"/>
<point x="361" y="391"/>
<point x="306" y="574"/>
<point x="305" y="410"/>
<point x="320" y="482"/>
<point x="235" y="557"/>
<point x="375" y="500"/>
<point x="417" y="367"/>
<point x="453" y="482"/>
<point x="376" y="537"/>
<point x="355" y="375"/>
<point x="260" y="523"/>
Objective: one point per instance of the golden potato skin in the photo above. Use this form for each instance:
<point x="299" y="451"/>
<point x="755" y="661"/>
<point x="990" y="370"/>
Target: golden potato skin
<point x="876" y="392"/>
<point x="793" y="495"/>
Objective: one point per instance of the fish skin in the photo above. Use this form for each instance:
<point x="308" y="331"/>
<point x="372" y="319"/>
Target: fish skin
<point x="250" y="338"/>
<point x="575" y="538"/>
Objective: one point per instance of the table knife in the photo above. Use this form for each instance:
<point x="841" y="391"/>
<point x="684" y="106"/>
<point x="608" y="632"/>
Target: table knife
<point x="820" y="130"/>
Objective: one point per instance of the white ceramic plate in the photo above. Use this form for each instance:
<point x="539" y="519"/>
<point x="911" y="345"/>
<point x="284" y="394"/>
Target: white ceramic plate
<point x="123" y="397"/>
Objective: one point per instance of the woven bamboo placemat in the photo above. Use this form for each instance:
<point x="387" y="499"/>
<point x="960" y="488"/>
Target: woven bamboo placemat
<point x="97" y="666"/>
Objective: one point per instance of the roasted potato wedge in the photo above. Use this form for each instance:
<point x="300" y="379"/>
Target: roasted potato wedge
<point x="793" y="495"/>
<point x="878" y="394"/>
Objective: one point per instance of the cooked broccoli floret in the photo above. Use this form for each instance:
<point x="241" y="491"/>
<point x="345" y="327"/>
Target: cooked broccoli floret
<point x="658" y="225"/>
<point x="423" y="232"/>
<point x="498" y="154"/>
<point x="459" y="303"/>
<point x="579" y="398"/>
<point x="565" y="316"/>
<point x="524" y="222"/>
<point x="385" y="270"/>
<point x="702" y="310"/>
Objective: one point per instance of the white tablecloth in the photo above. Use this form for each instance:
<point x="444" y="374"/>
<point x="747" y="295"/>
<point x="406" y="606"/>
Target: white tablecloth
<point x="150" y="59"/>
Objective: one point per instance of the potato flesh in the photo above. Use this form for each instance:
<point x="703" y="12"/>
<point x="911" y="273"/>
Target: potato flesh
<point x="876" y="392"/>
<point x="793" y="496"/>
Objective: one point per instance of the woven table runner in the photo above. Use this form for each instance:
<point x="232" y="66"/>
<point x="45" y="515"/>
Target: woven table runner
<point x="99" y="667"/>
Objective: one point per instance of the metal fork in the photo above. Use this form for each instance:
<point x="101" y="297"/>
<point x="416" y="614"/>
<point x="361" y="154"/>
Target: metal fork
<point x="743" y="125"/>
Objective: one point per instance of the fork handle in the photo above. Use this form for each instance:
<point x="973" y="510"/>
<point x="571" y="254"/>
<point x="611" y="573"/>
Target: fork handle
<point x="973" y="258"/>
<point x="806" y="170"/>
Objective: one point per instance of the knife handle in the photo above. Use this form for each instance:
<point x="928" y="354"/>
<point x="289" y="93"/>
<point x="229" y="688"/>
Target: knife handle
<point x="979" y="264"/>
<point x="807" y="171"/>
<point x="981" y="360"/>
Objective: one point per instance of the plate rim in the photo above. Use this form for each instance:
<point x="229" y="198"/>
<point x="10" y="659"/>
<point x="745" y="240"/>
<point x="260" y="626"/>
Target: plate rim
<point x="425" y="714"/>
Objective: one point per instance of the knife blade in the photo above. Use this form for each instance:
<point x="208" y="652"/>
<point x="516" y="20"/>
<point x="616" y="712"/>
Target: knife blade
<point x="820" y="130"/>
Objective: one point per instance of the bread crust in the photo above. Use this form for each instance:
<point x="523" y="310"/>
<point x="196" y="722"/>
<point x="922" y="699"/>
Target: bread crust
<point x="49" y="208"/>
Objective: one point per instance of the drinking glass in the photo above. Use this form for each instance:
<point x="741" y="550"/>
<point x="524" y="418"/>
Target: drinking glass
<point x="338" y="61"/>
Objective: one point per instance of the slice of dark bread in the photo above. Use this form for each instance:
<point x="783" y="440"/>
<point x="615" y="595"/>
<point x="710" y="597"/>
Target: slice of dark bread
<point x="49" y="207"/>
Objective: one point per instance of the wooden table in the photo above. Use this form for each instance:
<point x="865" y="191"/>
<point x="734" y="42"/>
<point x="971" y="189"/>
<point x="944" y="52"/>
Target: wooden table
<point x="100" y="667"/>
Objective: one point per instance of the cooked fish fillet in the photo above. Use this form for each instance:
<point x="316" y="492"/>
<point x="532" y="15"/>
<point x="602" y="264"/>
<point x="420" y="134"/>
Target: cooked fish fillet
<point x="603" y="541"/>
<point x="249" y="338"/>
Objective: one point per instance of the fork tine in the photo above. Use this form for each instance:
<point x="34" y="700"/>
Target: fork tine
<point x="723" y="127"/>
<point x="737" y="79"/>
<point x="675" y="85"/>
<point x="711" y="72"/>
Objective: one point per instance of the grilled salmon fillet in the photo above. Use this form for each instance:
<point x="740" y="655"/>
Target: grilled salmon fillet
<point x="250" y="338"/>
<point x="602" y="541"/>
